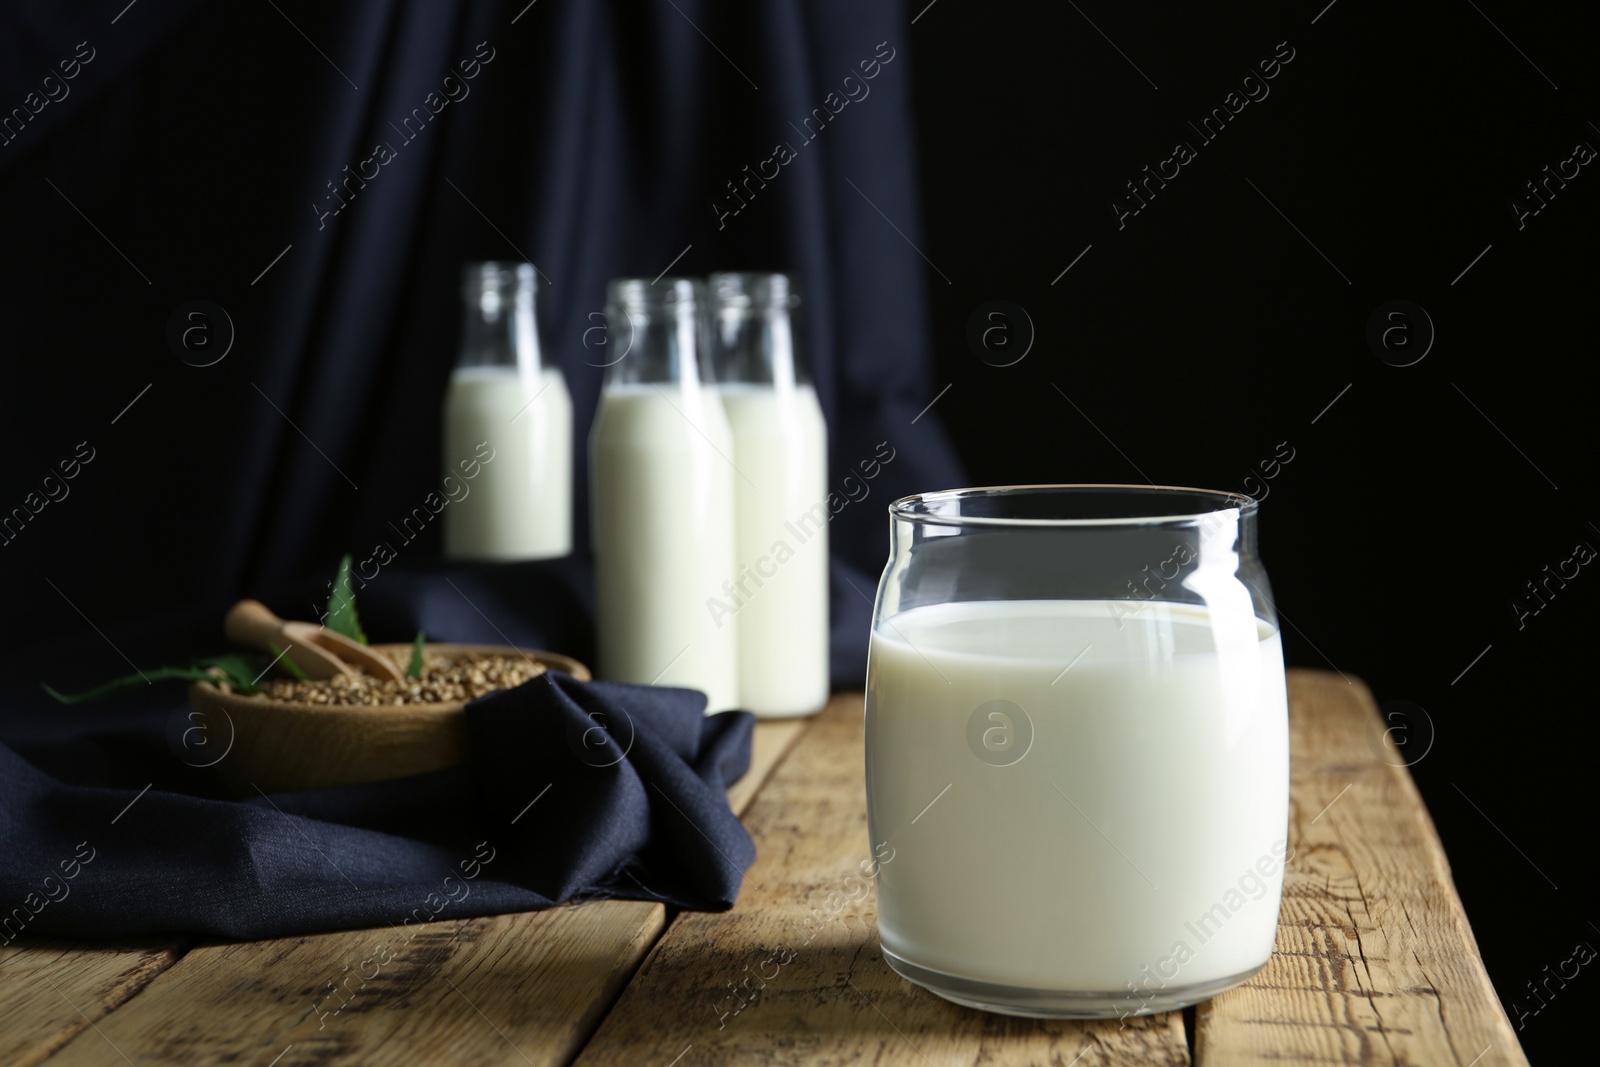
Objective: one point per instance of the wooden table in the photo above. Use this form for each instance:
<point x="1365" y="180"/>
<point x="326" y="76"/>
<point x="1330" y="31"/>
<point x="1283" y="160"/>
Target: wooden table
<point x="1375" y="962"/>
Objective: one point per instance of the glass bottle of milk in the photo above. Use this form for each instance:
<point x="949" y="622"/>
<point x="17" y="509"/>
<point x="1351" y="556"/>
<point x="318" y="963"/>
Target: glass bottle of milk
<point x="662" y="474"/>
<point x="507" y="427"/>
<point x="779" y="595"/>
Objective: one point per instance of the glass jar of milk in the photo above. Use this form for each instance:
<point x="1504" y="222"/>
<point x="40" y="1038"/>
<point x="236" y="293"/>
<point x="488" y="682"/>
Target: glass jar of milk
<point x="1077" y="748"/>
<point x="662" y="476"/>
<point x="507" y="427"/>
<point x="778" y="596"/>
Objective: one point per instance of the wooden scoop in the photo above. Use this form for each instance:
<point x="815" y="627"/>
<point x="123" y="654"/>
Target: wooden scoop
<point x="317" y="651"/>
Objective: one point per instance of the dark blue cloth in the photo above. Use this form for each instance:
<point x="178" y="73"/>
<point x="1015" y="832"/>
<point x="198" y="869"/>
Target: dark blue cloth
<point x="570" y="790"/>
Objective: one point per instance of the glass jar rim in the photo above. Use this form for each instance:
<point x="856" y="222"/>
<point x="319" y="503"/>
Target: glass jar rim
<point x="914" y="508"/>
<point x="507" y="276"/>
<point x="753" y="291"/>
<point x="640" y="296"/>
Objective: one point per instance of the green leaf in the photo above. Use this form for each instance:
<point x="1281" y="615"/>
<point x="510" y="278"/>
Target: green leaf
<point x="289" y="665"/>
<point x="341" y="616"/>
<point x="132" y="681"/>
<point x="239" y="670"/>
<point x="414" y="668"/>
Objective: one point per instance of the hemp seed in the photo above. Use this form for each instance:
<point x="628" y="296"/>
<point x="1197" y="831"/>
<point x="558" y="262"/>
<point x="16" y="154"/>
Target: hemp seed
<point x="444" y="679"/>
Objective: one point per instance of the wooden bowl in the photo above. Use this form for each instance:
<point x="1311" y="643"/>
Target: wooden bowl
<point x="279" y="745"/>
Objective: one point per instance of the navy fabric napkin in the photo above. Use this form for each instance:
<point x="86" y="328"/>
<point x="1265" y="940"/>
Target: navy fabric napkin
<point x="571" y="790"/>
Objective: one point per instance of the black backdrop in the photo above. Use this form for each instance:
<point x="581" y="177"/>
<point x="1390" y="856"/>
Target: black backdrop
<point x="1208" y="329"/>
<point x="1182" y="344"/>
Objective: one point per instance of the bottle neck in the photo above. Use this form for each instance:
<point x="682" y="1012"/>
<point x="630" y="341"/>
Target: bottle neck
<point x="758" y="347"/>
<point x="659" y="333"/>
<point x="499" y="327"/>
<point x="753" y="334"/>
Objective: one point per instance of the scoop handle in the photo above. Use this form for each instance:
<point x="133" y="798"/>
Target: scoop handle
<point x="252" y="623"/>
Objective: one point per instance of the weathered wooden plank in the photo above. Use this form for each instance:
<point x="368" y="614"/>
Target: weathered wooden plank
<point x="757" y="985"/>
<point x="516" y="989"/>
<point x="773" y="738"/>
<point x="1375" y="962"/>
<point x="50" y="991"/>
